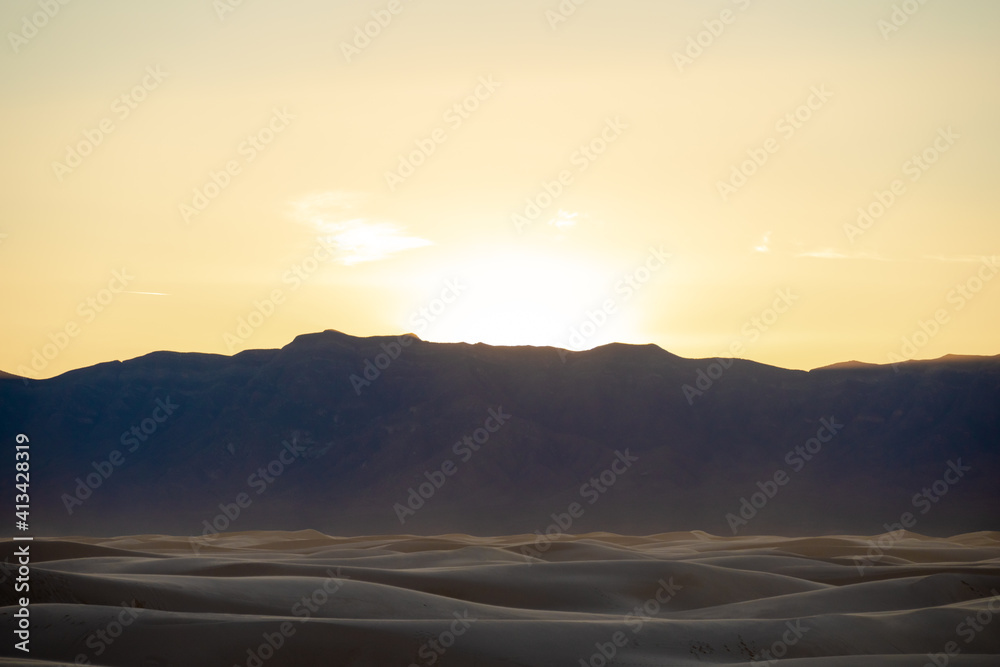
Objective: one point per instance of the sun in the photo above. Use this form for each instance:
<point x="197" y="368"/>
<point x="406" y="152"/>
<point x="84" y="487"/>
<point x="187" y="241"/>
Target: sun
<point x="531" y="297"/>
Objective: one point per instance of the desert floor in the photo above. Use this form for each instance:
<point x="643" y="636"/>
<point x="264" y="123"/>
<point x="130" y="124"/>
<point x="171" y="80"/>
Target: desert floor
<point x="275" y="598"/>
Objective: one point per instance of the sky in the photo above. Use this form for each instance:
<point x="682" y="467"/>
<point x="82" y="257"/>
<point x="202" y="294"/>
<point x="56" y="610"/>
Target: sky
<point x="794" y="183"/>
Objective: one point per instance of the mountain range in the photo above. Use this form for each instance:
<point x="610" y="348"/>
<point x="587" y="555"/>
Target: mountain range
<point x="392" y="434"/>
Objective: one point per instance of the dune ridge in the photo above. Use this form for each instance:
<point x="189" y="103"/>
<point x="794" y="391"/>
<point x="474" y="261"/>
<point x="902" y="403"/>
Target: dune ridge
<point x="599" y="599"/>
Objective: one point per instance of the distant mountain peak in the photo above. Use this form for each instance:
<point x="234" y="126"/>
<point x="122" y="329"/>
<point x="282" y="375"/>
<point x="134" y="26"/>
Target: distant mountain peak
<point x="381" y="417"/>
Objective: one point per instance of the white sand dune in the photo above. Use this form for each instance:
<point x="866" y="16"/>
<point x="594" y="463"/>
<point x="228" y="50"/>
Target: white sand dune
<point x="303" y="598"/>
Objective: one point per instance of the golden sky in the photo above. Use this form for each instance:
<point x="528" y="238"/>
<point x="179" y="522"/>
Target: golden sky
<point x="806" y="182"/>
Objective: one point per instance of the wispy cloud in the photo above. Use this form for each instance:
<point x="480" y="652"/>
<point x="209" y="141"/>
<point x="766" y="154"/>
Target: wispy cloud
<point x="832" y="253"/>
<point x="564" y="219"/>
<point x="338" y="219"/>
<point x="966" y="259"/>
<point x="765" y="244"/>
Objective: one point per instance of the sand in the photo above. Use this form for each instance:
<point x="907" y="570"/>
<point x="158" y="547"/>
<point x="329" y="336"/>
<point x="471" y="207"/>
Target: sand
<point x="303" y="598"/>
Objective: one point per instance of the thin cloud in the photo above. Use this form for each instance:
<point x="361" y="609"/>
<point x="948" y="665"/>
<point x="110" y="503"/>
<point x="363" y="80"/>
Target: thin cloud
<point x="360" y="241"/>
<point x="831" y="253"/>
<point x="338" y="220"/>
<point x="965" y="259"/>
<point x="765" y="244"/>
<point x="826" y="253"/>
<point x="564" y="219"/>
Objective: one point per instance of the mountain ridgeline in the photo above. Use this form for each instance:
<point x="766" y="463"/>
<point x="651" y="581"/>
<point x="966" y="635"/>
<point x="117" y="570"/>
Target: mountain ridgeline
<point x="396" y="435"/>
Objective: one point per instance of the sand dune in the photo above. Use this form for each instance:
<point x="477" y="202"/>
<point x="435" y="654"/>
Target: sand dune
<point x="304" y="598"/>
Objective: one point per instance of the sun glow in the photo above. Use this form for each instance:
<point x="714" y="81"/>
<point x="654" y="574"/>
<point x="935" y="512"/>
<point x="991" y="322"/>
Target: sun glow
<point x="523" y="298"/>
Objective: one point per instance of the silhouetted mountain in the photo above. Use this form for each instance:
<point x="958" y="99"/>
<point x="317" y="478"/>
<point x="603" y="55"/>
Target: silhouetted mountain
<point x="182" y="434"/>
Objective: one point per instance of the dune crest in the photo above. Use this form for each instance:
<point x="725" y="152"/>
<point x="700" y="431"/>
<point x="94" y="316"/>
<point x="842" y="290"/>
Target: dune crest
<point x="304" y="598"/>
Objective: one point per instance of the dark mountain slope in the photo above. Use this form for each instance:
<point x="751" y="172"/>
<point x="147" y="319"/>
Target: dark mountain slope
<point x="204" y="425"/>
